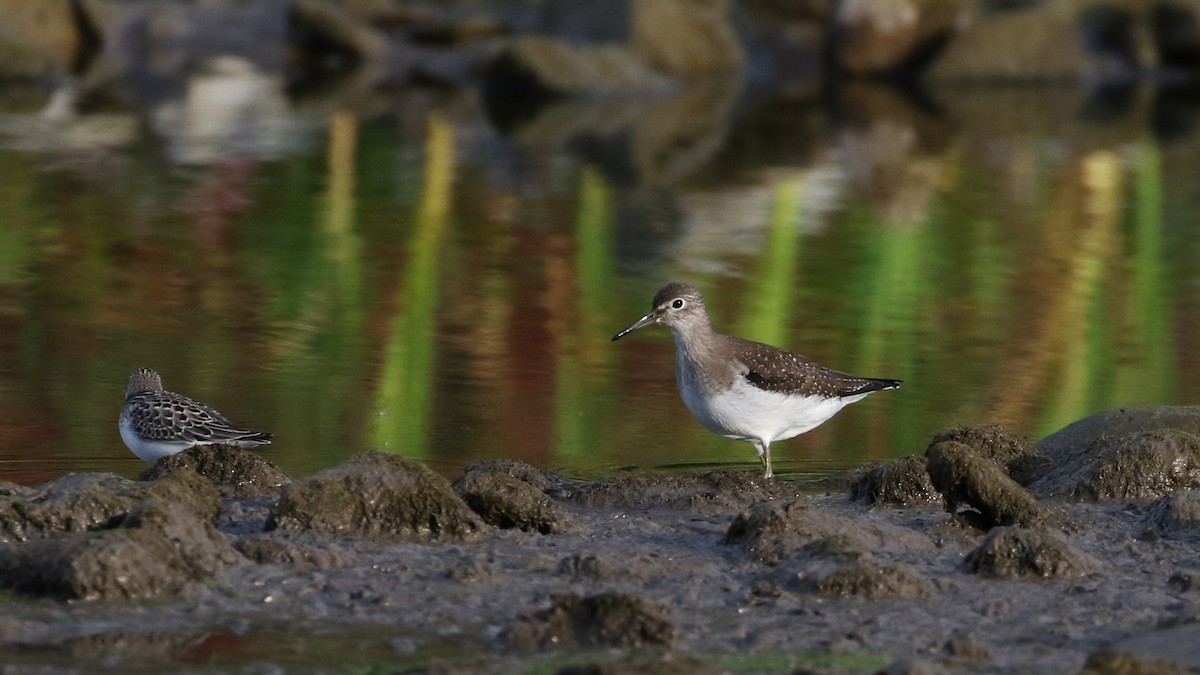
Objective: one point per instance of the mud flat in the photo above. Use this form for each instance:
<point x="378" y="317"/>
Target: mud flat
<point x="987" y="553"/>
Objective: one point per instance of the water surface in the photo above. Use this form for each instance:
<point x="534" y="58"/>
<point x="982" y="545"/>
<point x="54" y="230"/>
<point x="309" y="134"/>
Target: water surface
<point x="412" y="278"/>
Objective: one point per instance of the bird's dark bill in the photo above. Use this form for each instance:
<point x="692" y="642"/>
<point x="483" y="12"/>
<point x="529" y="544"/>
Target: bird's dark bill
<point x="640" y="323"/>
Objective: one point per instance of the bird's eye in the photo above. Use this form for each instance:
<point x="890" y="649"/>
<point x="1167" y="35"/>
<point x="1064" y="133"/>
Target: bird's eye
<point x="678" y="303"/>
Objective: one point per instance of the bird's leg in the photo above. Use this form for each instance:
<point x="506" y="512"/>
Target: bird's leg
<point x="764" y="455"/>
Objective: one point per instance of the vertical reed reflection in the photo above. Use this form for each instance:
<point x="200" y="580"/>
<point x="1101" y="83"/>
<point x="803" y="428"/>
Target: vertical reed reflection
<point x="404" y="394"/>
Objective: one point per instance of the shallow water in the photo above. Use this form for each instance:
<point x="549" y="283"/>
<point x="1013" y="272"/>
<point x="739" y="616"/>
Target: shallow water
<point x="410" y="277"/>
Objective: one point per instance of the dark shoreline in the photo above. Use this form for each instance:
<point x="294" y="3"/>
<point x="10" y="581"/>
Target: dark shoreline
<point x="1080" y="548"/>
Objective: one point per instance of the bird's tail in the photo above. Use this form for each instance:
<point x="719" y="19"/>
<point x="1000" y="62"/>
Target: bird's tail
<point x="870" y="384"/>
<point x="256" y="438"/>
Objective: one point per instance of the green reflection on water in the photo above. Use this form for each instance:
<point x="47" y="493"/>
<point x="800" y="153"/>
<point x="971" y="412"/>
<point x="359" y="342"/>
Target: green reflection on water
<point x="768" y="311"/>
<point x="582" y="400"/>
<point x="404" y="397"/>
<point x="392" y="288"/>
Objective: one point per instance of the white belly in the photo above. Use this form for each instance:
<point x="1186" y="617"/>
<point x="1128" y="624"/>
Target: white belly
<point x="149" y="451"/>
<point x="748" y="413"/>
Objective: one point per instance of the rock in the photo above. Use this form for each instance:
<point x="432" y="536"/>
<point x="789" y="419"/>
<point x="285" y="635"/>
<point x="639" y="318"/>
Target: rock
<point x="964" y="477"/>
<point x="272" y="548"/>
<point x="903" y="483"/>
<point x="83" y="502"/>
<point x="506" y="501"/>
<point x="659" y="663"/>
<point x="1077" y="437"/>
<point x="1015" y="453"/>
<point x="913" y="667"/>
<point x="886" y="36"/>
<point x="546" y="481"/>
<point x="41" y="38"/>
<point x="966" y="652"/>
<point x="546" y="67"/>
<point x="671" y="42"/>
<point x="1175" y="31"/>
<point x="376" y="494"/>
<point x="13" y="490"/>
<point x="838" y="567"/>
<point x="1061" y="40"/>
<point x="236" y="473"/>
<point x="1128" y="453"/>
<point x="769" y="531"/>
<point x="868" y="579"/>
<point x="1177" y="513"/>
<point x="686" y="38"/>
<point x="587" y="567"/>
<point x="1022" y="553"/>
<point x="593" y="622"/>
<point x="1141" y="465"/>
<point x="1165" y="650"/>
<point x="161" y="549"/>
<point x="471" y="570"/>
<point x="1108" y="662"/>
<point x="1184" y="580"/>
<point x="711" y="491"/>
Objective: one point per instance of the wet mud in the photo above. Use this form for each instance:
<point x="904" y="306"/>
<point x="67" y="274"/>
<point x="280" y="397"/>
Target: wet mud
<point x="986" y="554"/>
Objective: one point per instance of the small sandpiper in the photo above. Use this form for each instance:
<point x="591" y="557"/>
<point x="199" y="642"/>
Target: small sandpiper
<point x="156" y="423"/>
<point x="748" y="390"/>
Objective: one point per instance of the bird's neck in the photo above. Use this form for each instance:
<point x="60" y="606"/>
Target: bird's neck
<point x="698" y="355"/>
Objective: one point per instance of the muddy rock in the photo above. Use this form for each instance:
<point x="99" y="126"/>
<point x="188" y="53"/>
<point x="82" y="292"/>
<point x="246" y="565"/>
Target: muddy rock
<point x="1139" y="466"/>
<point x="1059" y="41"/>
<point x="966" y="652"/>
<point x="161" y="549"/>
<point x="236" y="473"/>
<point x="769" y="531"/>
<point x="293" y="551"/>
<point x="963" y="477"/>
<point x="1184" y="580"/>
<point x="913" y="667"/>
<point x="1077" y="437"/>
<point x="84" y="502"/>
<point x="1015" y="453"/>
<point x="1108" y="662"/>
<point x="659" y="663"/>
<point x="838" y="567"/>
<point x="506" y="501"/>
<point x="686" y="38"/>
<point x="546" y="481"/>
<point x="883" y="36"/>
<point x="1024" y="553"/>
<point x="709" y="491"/>
<point x="39" y="38"/>
<point x="375" y="494"/>
<point x="594" y="622"/>
<point x="1177" y="514"/>
<point x="12" y="490"/>
<point x="587" y="567"/>
<point x="548" y="67"/>
<point x="903" y="483"/>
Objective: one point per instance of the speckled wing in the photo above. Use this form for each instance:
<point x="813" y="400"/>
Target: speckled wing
<point x="773" y="369"/>
<point x="167" y="416"/>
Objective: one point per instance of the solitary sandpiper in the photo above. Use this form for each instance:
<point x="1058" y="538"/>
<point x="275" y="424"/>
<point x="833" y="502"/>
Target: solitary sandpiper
<point x="156" y="423"/>
<point x="748" y="390"/>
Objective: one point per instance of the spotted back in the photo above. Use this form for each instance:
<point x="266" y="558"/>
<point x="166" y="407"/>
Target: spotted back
<point x="773" y="369"/>
<point x="167" y="416"/>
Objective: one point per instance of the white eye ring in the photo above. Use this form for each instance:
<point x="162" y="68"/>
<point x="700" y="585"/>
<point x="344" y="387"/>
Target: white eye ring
<point x="678" y="303"/>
